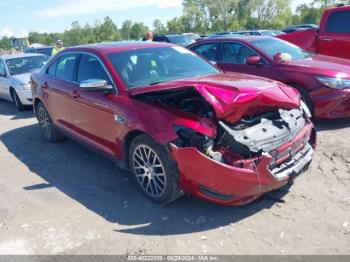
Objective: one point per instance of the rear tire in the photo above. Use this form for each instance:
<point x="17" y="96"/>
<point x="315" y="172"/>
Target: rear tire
<point x="154" y="171"/>
<point x="50" y="132"/>
<point x="20" y="107"/>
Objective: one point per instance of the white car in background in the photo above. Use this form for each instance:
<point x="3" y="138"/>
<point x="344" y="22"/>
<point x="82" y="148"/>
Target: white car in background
<point x="15" y="71"/>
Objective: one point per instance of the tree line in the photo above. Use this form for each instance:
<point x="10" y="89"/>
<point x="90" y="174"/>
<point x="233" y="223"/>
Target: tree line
<point x="199" y="16"/>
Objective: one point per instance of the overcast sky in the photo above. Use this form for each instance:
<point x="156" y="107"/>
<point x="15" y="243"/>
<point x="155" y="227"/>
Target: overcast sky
<point x="21" y="16"/>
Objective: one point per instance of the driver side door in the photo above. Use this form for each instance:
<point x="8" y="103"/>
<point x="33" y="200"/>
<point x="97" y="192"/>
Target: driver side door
<point x="233" y="58"/>
<point x="94" y="113"/>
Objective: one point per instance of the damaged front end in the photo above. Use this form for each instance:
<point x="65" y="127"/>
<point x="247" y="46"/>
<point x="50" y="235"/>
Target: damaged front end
<point x="269" y="135"/>
<point x="246" y="159"/>
<point x="241" y="160"/>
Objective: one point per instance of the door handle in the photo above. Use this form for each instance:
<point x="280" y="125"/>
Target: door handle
<point x="74" y="94"/>
<point x="45" y="86"/>
<point x="327" y="39"/>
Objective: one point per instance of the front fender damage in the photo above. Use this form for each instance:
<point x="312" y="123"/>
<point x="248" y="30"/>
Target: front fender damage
<point x="235" y="155"/>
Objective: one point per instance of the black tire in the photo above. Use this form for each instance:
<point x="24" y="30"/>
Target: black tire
<point x="159" y="184"/>
<point x="20" y="107"/>
<point x="50" y="132"/>
<point x="306" y="98"/>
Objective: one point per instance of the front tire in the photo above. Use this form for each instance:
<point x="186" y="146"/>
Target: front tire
<point x="154" y="171"/>
<point x="47" y="127"/>
<point x="20" y="107"/>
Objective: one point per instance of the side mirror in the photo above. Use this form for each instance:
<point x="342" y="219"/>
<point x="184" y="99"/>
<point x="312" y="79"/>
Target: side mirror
<point x="253" y="60"/>
<point x="94" y="85"/>
<point x="282" y="57"/>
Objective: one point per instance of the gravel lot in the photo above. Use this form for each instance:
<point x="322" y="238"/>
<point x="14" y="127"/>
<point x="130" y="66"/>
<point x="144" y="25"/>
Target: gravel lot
<point x="64" y="199"/>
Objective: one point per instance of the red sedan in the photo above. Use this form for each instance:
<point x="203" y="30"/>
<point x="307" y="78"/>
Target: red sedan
<point x="323" y="81"/>
<point x="179" y="124"/>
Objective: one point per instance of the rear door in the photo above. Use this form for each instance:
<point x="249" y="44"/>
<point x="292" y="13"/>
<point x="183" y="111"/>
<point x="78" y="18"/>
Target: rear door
<point x="94" y="113"/>
<point x="58" y="87"/>
<point x="334" y="36"/>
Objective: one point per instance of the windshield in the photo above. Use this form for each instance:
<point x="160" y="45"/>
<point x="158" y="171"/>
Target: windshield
<point x="272" y="46"/>
<point x="143" y="67"/>
<point x="23" y="65"/>
<point x="194" y="36"/>
<point x="267" y="33"/>
<point x="182" y="40"/>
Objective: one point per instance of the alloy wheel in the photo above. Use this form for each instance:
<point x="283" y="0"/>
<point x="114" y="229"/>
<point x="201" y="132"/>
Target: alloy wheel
<point x="149" y="170"/>
<point x="44" y="121"/>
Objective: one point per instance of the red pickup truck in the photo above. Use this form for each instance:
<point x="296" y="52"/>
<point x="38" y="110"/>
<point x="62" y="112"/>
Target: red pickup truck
<point x="332" y="38"/>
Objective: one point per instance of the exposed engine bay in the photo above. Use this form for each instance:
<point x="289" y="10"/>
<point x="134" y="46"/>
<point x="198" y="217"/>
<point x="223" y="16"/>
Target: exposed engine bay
<point x="265" y="132"/>
<point x="188" y="100"/>
<point x="251" y="137"/>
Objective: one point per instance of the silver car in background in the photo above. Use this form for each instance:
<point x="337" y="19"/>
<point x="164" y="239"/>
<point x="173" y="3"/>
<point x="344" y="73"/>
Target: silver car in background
<point x="15" y="71"/>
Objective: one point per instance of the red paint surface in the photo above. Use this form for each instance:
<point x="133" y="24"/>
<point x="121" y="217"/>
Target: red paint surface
<point x="90" y="117"/>
<point x="329" y="103"/>
<point x="321" y="41"/>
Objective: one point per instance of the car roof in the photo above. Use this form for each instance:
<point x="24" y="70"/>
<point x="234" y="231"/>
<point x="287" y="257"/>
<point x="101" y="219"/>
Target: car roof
<point x="113" y="47"/>
<point x="226" y="35"/>
<point x="239" y="38"/>
<point x="337" y="8"/>
<point x="21" y="55"/>
<point x="176" y="34"/>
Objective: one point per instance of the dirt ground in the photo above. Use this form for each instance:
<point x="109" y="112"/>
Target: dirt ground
<point x="64" y="199"/>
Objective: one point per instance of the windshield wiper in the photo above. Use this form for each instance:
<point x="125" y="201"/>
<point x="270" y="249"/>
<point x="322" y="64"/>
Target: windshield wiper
<point x="156" y="83"/>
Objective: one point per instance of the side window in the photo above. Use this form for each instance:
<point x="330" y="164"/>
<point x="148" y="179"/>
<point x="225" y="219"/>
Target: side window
<point x="235" y="53"/>
<point x="52" y="69"/>
<point x="209" y="51"/>
<point x="338" y="22"/>
<point x="65" y="67"/>
<point x="91" y="68"/>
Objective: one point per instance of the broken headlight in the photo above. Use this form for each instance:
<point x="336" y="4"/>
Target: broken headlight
<point x="204" y="144"/>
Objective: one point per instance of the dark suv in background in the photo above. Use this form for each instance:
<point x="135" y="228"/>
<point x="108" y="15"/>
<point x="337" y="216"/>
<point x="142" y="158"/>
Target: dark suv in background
<point x="45" y="50"/>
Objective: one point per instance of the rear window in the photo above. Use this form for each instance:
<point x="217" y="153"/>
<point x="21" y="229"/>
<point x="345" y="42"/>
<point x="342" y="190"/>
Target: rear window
<point x="52" y="69"/>
<point x="338" y="22"/>
<point x="209" y="51"/>
<point x="65" y="67"/>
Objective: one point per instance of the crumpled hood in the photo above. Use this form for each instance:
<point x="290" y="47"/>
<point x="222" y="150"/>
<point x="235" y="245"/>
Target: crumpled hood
<point x="233" y="95"/>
